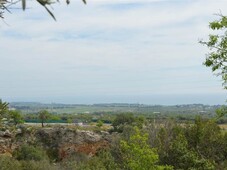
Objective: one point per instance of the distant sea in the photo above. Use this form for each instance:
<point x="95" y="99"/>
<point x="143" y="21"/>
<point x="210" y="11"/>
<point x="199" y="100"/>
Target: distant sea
<point x="210" y="99"/>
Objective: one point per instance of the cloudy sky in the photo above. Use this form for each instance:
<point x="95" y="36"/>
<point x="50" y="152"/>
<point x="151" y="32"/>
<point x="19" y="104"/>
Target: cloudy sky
<point x="137" y="51"/>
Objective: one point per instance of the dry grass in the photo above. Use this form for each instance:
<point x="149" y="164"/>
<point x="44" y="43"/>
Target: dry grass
<point x="223" y="126"/>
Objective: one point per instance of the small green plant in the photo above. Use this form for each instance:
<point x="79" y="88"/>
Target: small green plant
<point x="99" y="123"/>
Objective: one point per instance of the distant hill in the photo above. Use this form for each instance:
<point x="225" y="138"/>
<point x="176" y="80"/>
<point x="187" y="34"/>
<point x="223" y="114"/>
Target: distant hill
<point x="32" y="107"/>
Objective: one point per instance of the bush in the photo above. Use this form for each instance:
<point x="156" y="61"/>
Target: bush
<point x="99" y="123"/>
<point x="74" y="160"/>
<point x="137" y="154"/>
<point x="38" y="165"/>
<point x="93" y="163"/>
<point x="27" y="152"/>
<point x="8" y="163"/>
<point x="127" y="119"/>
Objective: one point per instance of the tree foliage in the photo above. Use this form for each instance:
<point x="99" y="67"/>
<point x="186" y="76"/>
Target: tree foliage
<point x="16" y="116"/>
<point x="127" y="119"/>
<point x="3" y="107"/>
<point x="181" y="157"/>
<point x="138" y="155"/>
<point x="221" y="112"/>
<point x="44" y="115"/>
<point x="208" y="140"/>
<point x="217" y="44"/>
<point x="199" y="145"/>
<point x="5" y="4"/>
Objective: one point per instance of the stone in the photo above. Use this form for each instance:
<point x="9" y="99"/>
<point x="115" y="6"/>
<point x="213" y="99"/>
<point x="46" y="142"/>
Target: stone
<point x="7" y="133"/>
<point x="1" y="133"/>
<point x="18" y="131"/>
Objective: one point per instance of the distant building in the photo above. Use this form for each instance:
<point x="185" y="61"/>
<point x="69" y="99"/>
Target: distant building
<point x="202" y="112"/>
<point x="12" y="109"/>
<point x="79" y="123"/>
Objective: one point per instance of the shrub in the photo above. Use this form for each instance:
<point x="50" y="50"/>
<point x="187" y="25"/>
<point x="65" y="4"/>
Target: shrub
<point x="137" y="154"/>
<point x="8" y="163"/>
<point x="27" y="152"/>
<point x="38" y="165"/>
<point x="99" y="123"/>
<point x="127" y="119"/>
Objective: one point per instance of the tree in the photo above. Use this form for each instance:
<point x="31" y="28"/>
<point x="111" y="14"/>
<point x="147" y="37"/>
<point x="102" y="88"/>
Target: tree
<point x="138" y="155"/>
<point x="221" y="112"/>
<point x="5" y="4"/>
<point x="217" y="44"/>
<point x="207" y="139"/>
<point x="3" y="107"/>
<point x="16" y="116"/>
<point x="181" y="157"/>
<point x="127" y="119"/>
<point x="43" y="116"/>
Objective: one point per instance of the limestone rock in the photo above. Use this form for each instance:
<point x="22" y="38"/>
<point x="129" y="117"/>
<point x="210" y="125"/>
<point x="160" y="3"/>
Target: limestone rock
<point x="7" y="133"/>
<point x="66" y="141"/>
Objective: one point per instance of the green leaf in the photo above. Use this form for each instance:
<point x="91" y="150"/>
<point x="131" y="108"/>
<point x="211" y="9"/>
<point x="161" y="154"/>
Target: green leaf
<point x="208" y="62"/>
<point x="215" y="25"/>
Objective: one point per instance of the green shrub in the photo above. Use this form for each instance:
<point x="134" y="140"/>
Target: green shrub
<point x="93" y="163"/>
<point x="74" y="160"/>
<point x="52" y="153"/>
<point x="127" y="119"/>
<point x="8" y="163"/>
<point x="107" y="160"/>
<point x="99" y="123"/>
<point x="27" y="152"/>
<point x="38" y="165"/>
<point x="138" y="155"/>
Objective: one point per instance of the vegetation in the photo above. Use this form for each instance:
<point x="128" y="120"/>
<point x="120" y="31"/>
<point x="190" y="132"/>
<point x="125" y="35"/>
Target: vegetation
<point x="16" y="116"/>
<point x="3" y="107"/>
<point x="4" y="5"/>
<point x="99" y="123"/>
<point x="137" y="154"/>
<point x="126" y="119"/>
<point x="139" y="144"/>
<point x="44" y="115"/>
<point x="28" y="153"/>
<point x="8" y="163"/>
<point x="138" y="141"/>
<point x="217" y="58"/>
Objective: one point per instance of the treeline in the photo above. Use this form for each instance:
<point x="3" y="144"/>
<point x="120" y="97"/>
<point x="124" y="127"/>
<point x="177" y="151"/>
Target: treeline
<point x="108" y="117"/>
<point x="138" y="144"/>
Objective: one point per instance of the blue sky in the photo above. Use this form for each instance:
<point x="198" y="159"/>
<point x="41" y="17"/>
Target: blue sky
<point x="138" y="51"/>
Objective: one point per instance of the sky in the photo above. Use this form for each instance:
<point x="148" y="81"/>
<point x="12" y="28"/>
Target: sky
<point x="130" y="51"/>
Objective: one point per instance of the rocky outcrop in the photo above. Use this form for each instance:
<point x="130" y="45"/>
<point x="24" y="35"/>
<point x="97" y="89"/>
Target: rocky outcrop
<point x="68" y="141"/>
<point x="65" y="141"/>
<point x="6" y="147"/>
